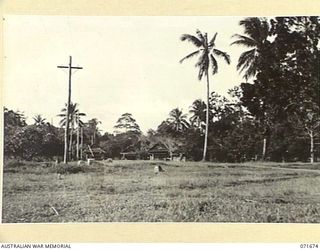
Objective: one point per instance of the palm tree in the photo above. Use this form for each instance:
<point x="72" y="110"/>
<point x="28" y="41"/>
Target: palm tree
<point x="80" y="125"/>
<point x="38" y="120"/>
<point x="256" y="30"/>
<point x="206" y="50"/>
<point x="198" y="111"/>
<point x="93" y="126"/>
<point x="178" y="120"/>
<point x="74" y="119"/>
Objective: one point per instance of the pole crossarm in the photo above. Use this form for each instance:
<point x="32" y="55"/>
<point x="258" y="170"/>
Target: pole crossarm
<point x="67" y="67"/>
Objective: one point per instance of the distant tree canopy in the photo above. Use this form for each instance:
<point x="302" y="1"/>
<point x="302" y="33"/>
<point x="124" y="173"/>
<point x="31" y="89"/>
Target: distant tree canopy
<point x="126" y="123"/>
<point x="38" y="120"/>
<point x="13" y="118"/>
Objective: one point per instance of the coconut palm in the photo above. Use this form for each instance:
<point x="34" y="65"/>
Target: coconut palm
<point x="207" y="52"/>
<point x="198" y="111"/>
<point x="256" y="33"/>
<point x="80" y="125"/>
<point x="38" y="120"/>
<point x="74" y="119"/>
<point x="178" y="120"/>
<point x="94" y="130"/>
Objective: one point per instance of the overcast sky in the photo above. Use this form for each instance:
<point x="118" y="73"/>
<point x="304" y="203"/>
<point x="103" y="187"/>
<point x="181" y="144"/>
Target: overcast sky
<point x="130" y="64"/>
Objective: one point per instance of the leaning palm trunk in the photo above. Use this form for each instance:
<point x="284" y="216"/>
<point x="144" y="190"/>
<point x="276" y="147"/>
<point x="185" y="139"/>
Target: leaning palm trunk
<point x="81" y="144"/>
<point x="78" y="135"/>
<point x="70" y="143"/>
<point x="311" y="146"/>
<point x="207" y="123"/>
<point x="66" y="154"/>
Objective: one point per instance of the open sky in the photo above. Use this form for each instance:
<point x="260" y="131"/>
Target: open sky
<point x="130" y="64"/>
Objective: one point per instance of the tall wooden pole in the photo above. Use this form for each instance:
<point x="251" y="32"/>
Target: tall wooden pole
<point x="66" y="134"/>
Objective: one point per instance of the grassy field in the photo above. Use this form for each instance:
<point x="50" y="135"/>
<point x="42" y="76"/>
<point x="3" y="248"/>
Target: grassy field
<point x="130" y="191"/>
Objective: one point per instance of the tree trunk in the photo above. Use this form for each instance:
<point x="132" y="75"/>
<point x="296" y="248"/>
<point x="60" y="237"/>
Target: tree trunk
<point x="264" y="149"/>
<point x="70" y="143"/>
<point x="66" y="141"/>
<point x="207" y="122"/>
<point x="311" y="147"/>
<point x="78" y="139"/>
<point x="81" y="148"/>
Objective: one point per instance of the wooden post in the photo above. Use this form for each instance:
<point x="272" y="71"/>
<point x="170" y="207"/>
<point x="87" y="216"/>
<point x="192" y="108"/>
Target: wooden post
<point x="66" y="135"/>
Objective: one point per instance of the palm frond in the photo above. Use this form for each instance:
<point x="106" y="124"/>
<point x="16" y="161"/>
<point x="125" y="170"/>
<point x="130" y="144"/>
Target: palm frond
<point x="250" y="72"/>
<point x="202" y="71"/>
<point x="245" y="59"/>
<point x="248" y="62"/>
<point x="214" y="65"/>
<point x="190" y="55"/>
<point x="80" y="123"/>
<point x="244" y="41"/>
<point x="256" y="27"/>
<point x="200" y="36"/>
<point x="62" y="122"/>
<point x="205" y="40"/>
<point x="222" y="54"/>
<point x="200" y="60"/>
<point x="213" y="39"/>
<point x="190" y="38"/>
<point x="250" y="25"/>
<point x="203" y="65"/>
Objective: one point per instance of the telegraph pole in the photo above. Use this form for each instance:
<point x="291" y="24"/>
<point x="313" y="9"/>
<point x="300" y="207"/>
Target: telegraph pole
<point x="66" y="133"/>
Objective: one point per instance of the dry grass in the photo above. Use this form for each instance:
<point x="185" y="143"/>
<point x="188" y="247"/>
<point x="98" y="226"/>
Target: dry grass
<point x="185" y="192"/>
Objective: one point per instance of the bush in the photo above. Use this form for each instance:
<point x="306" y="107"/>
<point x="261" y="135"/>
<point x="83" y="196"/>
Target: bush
<point x="17" y="166"/>
<point x="10" y="164"/>
<point x="68" y="169"/>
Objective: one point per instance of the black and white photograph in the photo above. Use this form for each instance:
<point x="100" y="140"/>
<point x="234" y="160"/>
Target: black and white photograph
<point x="161" y="119"/>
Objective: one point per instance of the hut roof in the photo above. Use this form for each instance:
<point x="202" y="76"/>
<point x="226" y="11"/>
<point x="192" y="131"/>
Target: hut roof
<point x="95" y="150"/>
<point x="159" y="147"/>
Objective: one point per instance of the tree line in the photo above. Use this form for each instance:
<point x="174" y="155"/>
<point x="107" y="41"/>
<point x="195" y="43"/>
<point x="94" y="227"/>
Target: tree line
<point x="273" y="114"/>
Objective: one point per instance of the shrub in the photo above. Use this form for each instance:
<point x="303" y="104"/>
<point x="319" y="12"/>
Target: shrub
<point x="68" y="169"/>
<point x="10" y="164"/>
<point x="16" y="166"/>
